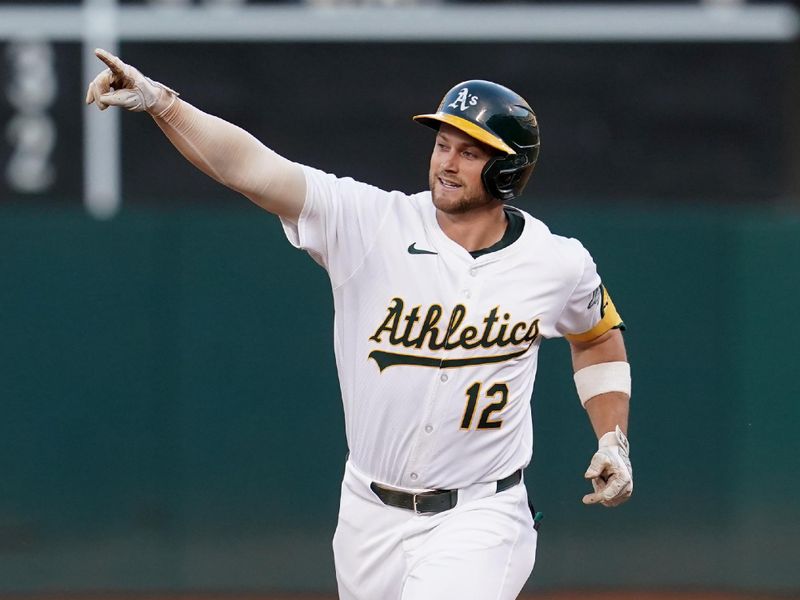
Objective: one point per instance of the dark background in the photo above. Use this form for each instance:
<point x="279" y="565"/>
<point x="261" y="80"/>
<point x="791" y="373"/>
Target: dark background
<point x="668" y="122"/>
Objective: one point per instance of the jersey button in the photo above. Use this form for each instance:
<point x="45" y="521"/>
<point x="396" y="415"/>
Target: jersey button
<point x="414" y="476"/>
<point x="428" y="428"/>
<point x="473" y="271"/>
<point x="467" y="294"/>
<point x="443" y="377"/>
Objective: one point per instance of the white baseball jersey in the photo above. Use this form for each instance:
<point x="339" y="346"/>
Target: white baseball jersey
<point x="436" y="351"/>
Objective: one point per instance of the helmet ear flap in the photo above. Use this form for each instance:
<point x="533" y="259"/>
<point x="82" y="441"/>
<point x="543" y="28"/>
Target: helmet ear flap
<point x="508" y="180"/>
<point x="504" y="177"/>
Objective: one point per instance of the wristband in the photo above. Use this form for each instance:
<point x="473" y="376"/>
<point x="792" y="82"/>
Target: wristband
<point x="603" y="378"/>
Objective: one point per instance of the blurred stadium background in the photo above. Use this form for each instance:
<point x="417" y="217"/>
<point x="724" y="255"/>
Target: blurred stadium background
<point x="171" y="421"/>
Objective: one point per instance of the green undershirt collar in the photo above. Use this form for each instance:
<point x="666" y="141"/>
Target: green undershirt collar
<point x="514" y="227"/>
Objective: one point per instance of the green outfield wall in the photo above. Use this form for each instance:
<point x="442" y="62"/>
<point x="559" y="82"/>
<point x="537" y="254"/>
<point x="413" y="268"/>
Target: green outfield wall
<point x="171" y="416"/>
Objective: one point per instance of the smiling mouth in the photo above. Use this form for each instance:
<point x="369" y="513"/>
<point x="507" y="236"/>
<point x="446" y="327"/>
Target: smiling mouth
<point x="448" y="185"/>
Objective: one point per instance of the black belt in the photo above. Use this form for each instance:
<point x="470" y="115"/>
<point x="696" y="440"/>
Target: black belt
<point x="435" y="501"/>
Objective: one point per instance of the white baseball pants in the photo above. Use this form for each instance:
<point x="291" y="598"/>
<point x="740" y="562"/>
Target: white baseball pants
<point x="482" y="549"/>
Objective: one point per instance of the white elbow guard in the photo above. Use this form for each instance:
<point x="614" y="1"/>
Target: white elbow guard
<point x="603" y="378"/>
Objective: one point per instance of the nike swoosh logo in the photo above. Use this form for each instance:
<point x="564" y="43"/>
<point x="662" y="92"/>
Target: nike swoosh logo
<point x="412" y="249"/>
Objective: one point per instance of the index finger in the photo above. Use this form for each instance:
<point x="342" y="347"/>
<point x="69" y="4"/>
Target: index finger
<point x="115" y="64"/>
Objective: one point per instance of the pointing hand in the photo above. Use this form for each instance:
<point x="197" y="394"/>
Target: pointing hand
<point x="124" y="86"/>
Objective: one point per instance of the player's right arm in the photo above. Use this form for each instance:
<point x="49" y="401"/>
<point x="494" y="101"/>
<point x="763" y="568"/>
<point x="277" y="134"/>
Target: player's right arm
<point x="220" y="149"/>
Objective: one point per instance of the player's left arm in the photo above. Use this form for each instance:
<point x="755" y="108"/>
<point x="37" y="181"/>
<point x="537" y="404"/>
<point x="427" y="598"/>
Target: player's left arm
<point x="602" y="376"/>
<point x="610" y="409"/>
<point x="593" y="327"/>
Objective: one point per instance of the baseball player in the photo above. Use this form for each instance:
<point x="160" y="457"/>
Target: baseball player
<point x="442" y="299"/>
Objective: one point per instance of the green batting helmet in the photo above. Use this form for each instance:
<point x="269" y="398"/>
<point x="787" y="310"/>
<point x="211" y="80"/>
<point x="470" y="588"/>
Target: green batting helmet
<point x="501" y="119"/>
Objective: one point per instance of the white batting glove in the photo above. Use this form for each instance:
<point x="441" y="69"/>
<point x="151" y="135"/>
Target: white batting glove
<point x="610" y="471"/>
<point x="124" y="86"/>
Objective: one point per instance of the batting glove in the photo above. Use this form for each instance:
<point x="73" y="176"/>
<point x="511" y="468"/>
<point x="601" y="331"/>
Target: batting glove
<point x="610" y="471"/>
<point x="124" y="86"/>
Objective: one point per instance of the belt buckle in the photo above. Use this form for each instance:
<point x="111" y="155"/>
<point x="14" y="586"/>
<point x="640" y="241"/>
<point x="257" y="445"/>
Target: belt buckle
<point x="427" y="495"/>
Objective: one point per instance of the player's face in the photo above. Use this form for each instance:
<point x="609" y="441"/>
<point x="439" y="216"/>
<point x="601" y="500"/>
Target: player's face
<point x="455" y="172"/>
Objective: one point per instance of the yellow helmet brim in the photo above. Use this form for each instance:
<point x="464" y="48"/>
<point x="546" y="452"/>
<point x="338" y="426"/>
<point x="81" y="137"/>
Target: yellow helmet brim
<point x="468" y="127"/>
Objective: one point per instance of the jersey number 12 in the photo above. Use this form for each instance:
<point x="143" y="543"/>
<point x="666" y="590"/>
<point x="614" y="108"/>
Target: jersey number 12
<point x="498" y="391"/>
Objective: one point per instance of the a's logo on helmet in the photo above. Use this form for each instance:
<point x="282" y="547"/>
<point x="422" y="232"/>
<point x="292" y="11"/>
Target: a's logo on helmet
<point x="464" y="100"/>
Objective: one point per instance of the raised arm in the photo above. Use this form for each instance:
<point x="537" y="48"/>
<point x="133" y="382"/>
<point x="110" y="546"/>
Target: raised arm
<point x="220" y="149"/>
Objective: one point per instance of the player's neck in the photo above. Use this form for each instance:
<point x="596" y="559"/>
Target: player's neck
<point x="476" y="229"/>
